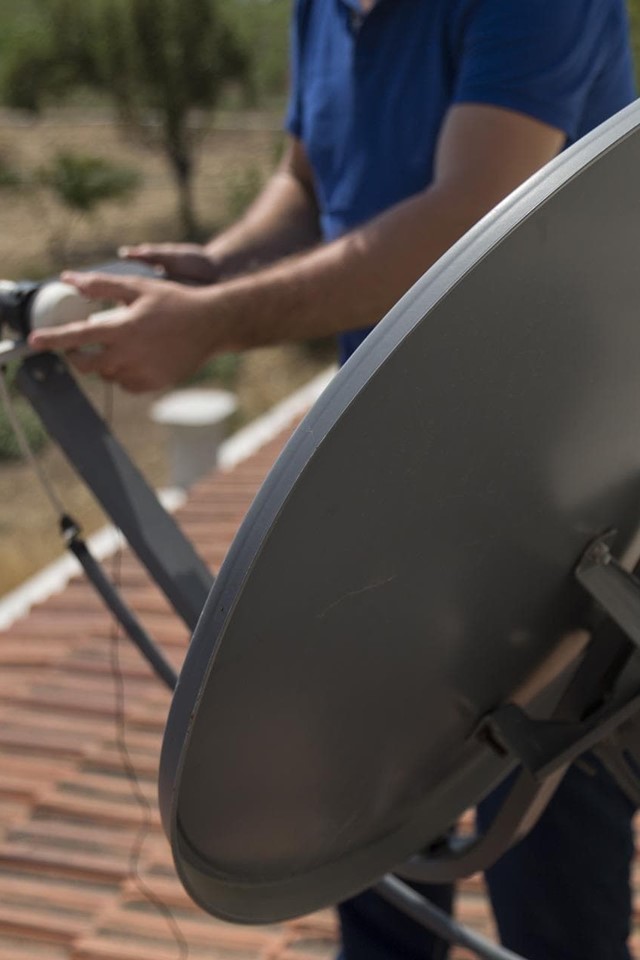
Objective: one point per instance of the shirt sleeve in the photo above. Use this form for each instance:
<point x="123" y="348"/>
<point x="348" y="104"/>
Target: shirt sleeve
<point x="539" y="57"/>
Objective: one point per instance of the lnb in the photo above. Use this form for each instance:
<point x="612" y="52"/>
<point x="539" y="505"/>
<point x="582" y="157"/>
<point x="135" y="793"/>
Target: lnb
<point x="27" y="305"/>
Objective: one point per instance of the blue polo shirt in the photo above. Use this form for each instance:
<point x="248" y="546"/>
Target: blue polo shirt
<point x="369" y="93"/>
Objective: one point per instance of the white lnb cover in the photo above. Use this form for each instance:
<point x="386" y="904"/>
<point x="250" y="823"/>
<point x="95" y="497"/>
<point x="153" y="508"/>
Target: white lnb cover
<point x="57" y="303"/>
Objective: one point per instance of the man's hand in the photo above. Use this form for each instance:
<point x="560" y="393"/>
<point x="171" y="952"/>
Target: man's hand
<point x="185" y="262"/>
<point x="161" y="333"/>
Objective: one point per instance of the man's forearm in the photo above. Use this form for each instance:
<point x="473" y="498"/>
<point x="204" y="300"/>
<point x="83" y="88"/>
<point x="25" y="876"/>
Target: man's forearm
<point x="163" y="331"/>
<point x="282" y="221"/>
<point x="349" y="283"/>
<point x="483" y="154"/>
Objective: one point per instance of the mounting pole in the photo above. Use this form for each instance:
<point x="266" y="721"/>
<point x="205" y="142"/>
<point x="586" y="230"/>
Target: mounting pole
<point x="106" y="468"/>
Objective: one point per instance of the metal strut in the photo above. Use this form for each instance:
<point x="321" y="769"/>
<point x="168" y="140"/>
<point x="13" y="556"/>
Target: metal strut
<point x="106" y="468"/>
<point x="424" y="912"/>
<point x="616" y="590"/>
<point x="125" y="617"/>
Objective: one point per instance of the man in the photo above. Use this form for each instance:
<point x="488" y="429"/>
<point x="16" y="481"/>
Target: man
<point x="408" y="120"/>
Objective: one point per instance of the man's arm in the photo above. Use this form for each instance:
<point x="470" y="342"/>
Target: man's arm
<point x="282" y="220"/>
<point x="166" y="331"/>
<point x="483" y="154"/>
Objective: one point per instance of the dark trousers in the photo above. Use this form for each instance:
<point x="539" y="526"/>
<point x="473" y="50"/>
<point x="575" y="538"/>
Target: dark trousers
<point x="563" y="893"/>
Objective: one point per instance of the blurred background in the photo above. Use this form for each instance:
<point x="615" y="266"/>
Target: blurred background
<point x="123" y="121"/>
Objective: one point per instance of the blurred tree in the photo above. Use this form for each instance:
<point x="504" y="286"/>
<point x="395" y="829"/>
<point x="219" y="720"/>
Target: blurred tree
<point x="263" y="26"/>
<point x="163" y="63"/>
<point x="47" y="56"/>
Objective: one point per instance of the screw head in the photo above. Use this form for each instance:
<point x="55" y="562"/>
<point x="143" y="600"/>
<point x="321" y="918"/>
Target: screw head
<point x="599" y="553"/>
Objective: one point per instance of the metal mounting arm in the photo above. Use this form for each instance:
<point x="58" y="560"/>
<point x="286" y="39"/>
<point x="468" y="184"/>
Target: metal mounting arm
<point x="615" y="589"/>
<point x="123" y="492"/>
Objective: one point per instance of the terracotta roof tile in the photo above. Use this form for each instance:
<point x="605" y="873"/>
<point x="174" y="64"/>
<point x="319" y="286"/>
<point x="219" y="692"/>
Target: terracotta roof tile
<point x="70" y="886"/>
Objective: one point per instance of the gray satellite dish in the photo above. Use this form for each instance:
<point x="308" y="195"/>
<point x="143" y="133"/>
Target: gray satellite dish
<point x="408" y="569"/>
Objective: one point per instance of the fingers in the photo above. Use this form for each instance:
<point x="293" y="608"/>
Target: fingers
<point x="70" y="337"/>
<point x="104" y="286"/>
<point x="112" y="368"/>
<point x="74" y="336"/>
<point x="184" y="262"/>
<point x="102" y="327"/>
<point x="109" y="362"/>
<point x="156" y="254"/>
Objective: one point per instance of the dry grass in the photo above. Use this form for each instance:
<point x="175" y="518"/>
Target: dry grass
<point x="28" y="221"/>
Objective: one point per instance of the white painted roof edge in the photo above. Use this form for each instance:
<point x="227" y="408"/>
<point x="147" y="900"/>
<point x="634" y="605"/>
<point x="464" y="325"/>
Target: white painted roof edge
<point x="247" y="441"/>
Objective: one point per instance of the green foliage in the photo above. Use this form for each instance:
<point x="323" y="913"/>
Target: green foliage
<point x="82" y="182"/>
<point x="167" y="56"/>
<point x="163" y="63"/>
<point x="174" y="61"/>
<point x="263" y="28"/>
<point x="47" y="55"/>
<point x="23" y="67"/>
<point x="16" y="23"/>
<point x="15" y="17"/>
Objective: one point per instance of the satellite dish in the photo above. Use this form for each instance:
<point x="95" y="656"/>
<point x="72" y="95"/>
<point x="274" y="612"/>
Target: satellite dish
<point x="408" y="569"/>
